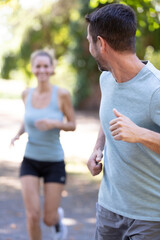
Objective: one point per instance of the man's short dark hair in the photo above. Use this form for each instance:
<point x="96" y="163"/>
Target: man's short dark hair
<point x="116" y="23"/>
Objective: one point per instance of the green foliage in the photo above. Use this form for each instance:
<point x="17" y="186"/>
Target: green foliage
<point x="44" y="28"/>
<point x="148" y="33"/>
<point x="148" y="25"/>
<point x="61" y="25"/>
<point x="153" y="56"/>
<point x="87" y="72"/>
<point x="11" y="64"/>
<point x="5" y="2"/>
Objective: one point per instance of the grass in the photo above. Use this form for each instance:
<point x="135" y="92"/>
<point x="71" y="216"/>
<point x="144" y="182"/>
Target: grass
<point x="4" y="95"/>
<point x="80" y="168"/>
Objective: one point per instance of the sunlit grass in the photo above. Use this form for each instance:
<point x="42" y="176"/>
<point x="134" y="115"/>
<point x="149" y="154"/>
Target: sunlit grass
<point x="11" y="89"/>
<point x="4" y="95"/>
<point x="80" y="168"/>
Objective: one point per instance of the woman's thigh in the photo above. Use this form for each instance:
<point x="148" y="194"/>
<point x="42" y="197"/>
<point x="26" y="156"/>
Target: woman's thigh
<point x="52" y="198"/>
<point x="30" y="192"/>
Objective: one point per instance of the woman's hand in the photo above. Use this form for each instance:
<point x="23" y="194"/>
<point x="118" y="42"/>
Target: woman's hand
<point x="46" y="124"/>
<point x="13" y="140"/>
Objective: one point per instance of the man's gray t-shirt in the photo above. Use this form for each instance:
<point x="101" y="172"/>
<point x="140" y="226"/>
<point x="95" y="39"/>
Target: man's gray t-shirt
<point x="131" y="181"/>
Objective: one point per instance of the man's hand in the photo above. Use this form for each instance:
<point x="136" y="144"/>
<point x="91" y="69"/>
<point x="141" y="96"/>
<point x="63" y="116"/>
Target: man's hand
<point x="94" y="165"/>
<point x="122" y="128"/>
<point x="45" y="124"/>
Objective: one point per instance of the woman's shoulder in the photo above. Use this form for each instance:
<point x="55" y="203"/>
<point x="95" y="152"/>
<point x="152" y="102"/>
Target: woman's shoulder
<point x="63" y="93"/>
<point x="25" y="94"/>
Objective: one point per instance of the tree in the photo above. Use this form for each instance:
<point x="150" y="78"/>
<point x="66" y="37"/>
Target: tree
<point x="148" y="33"/>
<point x="45" y="27"/>
<point x="61" y="25"/>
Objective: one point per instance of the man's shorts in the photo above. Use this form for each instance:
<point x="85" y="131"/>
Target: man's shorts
<point x="49" y="171"/>
<point x="111" y="226"/>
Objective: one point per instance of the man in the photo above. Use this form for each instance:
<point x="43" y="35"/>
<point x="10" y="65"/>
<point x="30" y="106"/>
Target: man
<point x="129" y="197"/>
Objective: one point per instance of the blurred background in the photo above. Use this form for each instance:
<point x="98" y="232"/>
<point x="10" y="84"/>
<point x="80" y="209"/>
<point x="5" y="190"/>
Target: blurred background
<point x="28" y="25"/>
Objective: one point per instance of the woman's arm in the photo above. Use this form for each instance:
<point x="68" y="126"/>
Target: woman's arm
<point x="21" y="129"/>
<point x="68" y="111"/>
<point x="19" y="133"/>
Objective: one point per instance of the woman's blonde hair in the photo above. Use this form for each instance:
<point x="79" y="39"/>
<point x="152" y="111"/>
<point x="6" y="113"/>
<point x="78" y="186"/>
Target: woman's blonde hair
<point x="48" y="53"/>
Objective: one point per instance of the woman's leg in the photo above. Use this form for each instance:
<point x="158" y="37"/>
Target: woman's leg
<point x="30" y="192"/>
<point x="52" y="199"/>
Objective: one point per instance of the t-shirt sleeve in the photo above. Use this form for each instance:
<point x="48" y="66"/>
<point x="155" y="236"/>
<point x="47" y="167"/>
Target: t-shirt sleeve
<point x="155" y="107"/>
<point x="104" y="75"/>
<point x="101" y="80"/>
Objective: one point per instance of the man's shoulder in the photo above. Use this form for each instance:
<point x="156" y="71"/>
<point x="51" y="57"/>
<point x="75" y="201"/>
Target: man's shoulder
<point x="153" y="70"/>
<point x="105" y="75"/>
<point x="106" y="80"/>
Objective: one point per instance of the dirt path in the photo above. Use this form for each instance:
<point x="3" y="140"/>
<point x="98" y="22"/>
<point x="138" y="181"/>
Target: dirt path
<point x="80" y="195"/>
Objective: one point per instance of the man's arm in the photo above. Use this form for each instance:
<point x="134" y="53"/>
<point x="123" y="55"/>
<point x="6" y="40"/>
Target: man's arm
<point x="150" y="139"/>
<point x="122" y="128"/>
<point x="93" y="163"/>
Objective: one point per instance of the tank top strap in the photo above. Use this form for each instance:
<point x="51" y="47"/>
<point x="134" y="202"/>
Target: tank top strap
<point x="29" y="97"/>
<point x="54" y="98"/>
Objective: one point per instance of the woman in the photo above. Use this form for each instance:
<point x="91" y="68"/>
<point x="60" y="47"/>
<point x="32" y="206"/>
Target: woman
<point x="45" y="107"/>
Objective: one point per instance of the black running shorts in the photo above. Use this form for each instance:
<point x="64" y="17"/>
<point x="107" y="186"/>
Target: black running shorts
<point x="49" y="171"/>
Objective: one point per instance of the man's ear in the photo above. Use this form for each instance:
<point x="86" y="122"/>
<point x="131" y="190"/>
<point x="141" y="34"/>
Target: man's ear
<point x="102" y="44"/>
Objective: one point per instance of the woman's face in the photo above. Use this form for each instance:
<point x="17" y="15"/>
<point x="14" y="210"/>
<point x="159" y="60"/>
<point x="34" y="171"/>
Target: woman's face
<point x="42" y="68"/>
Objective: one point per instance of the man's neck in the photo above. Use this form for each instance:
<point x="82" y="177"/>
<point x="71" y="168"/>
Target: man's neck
<point x="125" y="67"/>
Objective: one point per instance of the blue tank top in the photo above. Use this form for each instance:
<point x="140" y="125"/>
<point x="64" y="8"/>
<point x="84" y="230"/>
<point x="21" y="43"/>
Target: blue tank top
<point x="43" y="145"/>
